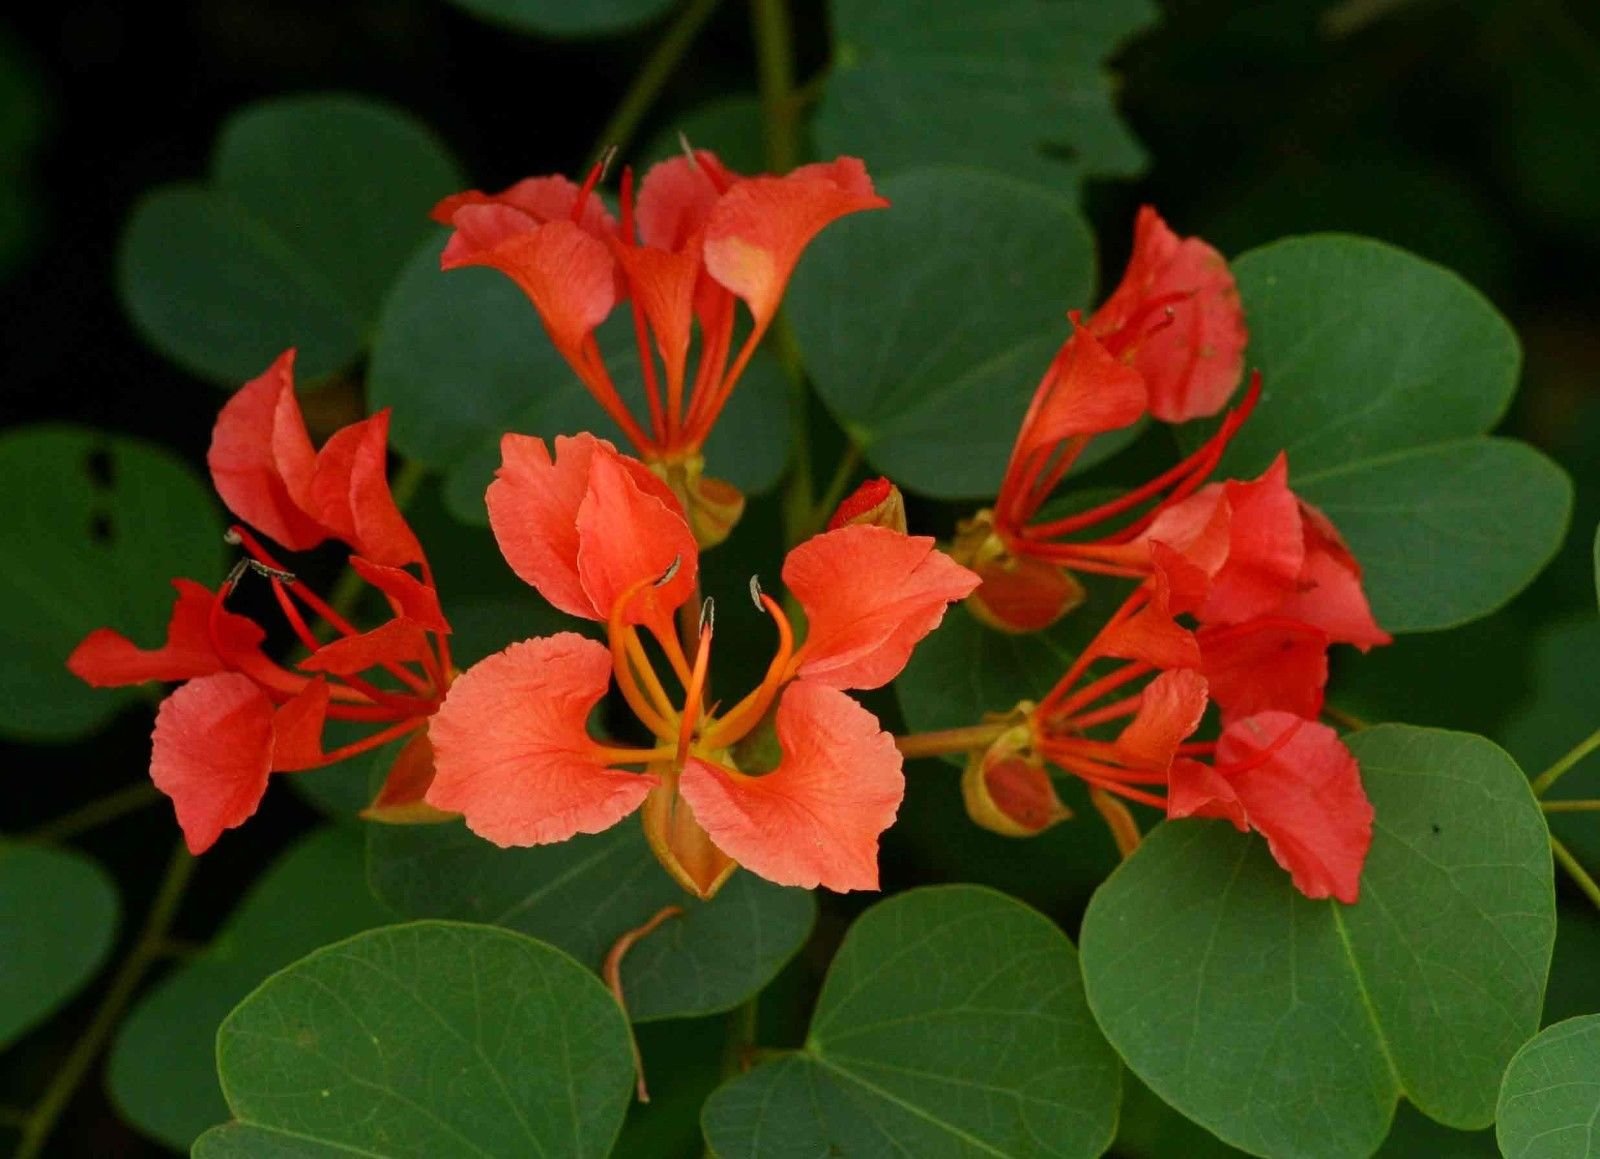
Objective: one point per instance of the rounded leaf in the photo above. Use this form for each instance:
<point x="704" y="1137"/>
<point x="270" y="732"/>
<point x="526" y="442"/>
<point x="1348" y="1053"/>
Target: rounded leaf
<point x="565" y="18"/>
<point x="1550" y="1100"/>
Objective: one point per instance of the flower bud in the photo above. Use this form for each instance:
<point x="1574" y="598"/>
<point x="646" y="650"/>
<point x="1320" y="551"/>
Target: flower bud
<point x="712" y="506"/>
<point x="1018" y="594"/>
<point x="684" y="849"/>
<point x="876" y="503"/>
<point x="1007" y="789"/>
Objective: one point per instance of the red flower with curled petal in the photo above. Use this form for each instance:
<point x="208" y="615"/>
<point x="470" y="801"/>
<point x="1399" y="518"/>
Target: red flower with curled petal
<point x="697" y="239"/>
<point x="239" y="716"/>
<point x="602" y="538"/>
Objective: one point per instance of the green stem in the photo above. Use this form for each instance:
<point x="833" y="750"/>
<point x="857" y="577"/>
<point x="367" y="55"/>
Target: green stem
<point x="775" y="70"/>
<point x="13" y="1117"/>
<point x="42" y="1119"/>
<point x="1570" y="806"/>
<point x="1575" y="871"/>
<point x="1547" y="779"/>
<point x="952" y="740"/>
<point x="653" y="75"/>
<point x="97" y="812"/>
<point x="741" y="1039"/>
<point x="842" y="474"/>
<point x="1343" y="719"/>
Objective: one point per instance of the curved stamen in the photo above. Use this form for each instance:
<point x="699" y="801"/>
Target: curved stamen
<point x="619" y="633"/>
<point x="745" y="715"/>
<point x="695" y="692"/>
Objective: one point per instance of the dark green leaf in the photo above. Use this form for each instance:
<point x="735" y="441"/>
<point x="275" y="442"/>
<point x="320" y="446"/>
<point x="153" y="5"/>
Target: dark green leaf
<point x="312" y="206"/>
<point x="1380" y="370"/>
<point x="566" y="18"/>
<point x="434" y="1038"/>
<point x="729" y="126"/>
<point x="312" y="895"/>
<point x="1290" y="1026"/>
<point x="97" y="528"/>
<point x="462" y="358"/>
<point x="930" y="377"/>
<point x="1550" y="1103"/>
<point x="584" y="894"/>
<point x="1019" y="86"/>
<point x="952" y="1023"/>
<point x="58" y="915"/>
<point x="1597" y="563"/>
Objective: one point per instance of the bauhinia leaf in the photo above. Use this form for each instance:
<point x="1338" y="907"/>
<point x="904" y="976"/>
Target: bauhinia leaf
<point x="1550" y="1101"/>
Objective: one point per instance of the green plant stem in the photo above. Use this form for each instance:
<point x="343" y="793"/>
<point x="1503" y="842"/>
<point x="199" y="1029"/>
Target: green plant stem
<point x="653" y="75"/>
<point x="741" y="1038"/>
<point x="404" y="489"/>
<point x="1575" y="871"/>
<point x="13" y="1117"/>
<point x="952" y="740"/>
<point x="146" y="951"/>
<point x="97" y="812"/>
<point x="1344" y="719"/>
<point x="834" y="492"/>
<point x="1546" y="780"/>
<point x="775" y="71"/>
<point x="1570" y="806"/>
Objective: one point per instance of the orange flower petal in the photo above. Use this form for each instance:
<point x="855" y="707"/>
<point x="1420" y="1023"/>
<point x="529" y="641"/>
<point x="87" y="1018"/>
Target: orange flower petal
<point x="676" y="197"/>
<point x="261" y="458"/>
<point x="350" y="494"/>
<point x="632" y="532"/>
<point x="108" y="659"/>
<point x="815" y="819"/>
<point x="1085" y="392"/>
<point x="396" y="641"/>
<point x="870" y="594"/>
<point x="408" y="596"/>
<point x="511" y="751"/>
<point x="540" y="199"/>
<point x="533" y="511"/>
<point x="1170" y="709"/>
<point x="297" y="729"/>
<point x="211" y="753"/>
<point x="400" y="801"/>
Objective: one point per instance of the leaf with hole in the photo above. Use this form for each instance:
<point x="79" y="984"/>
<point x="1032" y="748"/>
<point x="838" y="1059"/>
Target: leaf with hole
<point x="58" y="916"/>
<point x="312" y="206"/>
<point x="435" y="1038"/>
<point x="1291" y="1027"/>
<point x="311" y="895"/>
<point x="98" y="527"/>
<point x="584" y="894"/>
<point x="952" y="1022"/>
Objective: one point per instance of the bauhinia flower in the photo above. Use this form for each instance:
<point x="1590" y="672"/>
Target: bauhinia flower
<point x="238" y="715"/>
<point x="698" y="238"/>
<point x="604" y="539"/>
<point x="1169" y="342"/>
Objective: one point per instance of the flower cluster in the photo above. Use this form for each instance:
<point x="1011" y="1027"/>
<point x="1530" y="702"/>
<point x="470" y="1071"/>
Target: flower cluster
<point x="1242" y="589"/>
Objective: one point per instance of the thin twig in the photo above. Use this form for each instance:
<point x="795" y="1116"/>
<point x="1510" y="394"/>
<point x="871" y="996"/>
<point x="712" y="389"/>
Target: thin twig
<point x="1547" y="779"/>
<point x="1575" y="871"/>
<point x="100" y="811"/>
<point x="611" y="971"/>
<point x="653" y="75"/>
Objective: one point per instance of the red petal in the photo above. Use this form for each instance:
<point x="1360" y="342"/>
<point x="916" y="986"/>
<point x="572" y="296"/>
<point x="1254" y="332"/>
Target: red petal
<point x="566" y="271"/>
<point x="631" y="532"/>
<point x="1022" y="594"/>
<point x="1197" y="790"/>
<point x="396" y="641"/>
<point x="815" y="819"/>
<point x="1085" y="392"/>
<point x="297" y="729"/>
<point x="1196" y="529"/>
<point x="400" y="801"/>
<point x="1330" y="594"/>
<point x="533" y="510"/>
<point x="108" y="659"/>
<point x="1265" y="664"/>
<point x="408" y="596"/>
<point x="541" y="199"/>
<point x="1194" y="358"/>
<point x="1150" y="635"/>
<point x="870" y="594"/>
<point x="350" y="494"/>
<point x="1266" y="548"/>
<point x="261" y="458"/>
<point x="757" y="231"/>
<point x="675" y="199"/>
<point x="211" y="753"/>
<point x="1169" y="711"/>
<point x="511" y="751"/>
<point x="876" y="503"/>
<point x="663" y="285"/>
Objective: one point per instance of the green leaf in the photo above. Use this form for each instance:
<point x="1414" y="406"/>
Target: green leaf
<point x="584" y="894"/>
<point x="566" y="18"/>
<point x="58" y="916"/>
<point x="729" y="126"/>
<point x="928" y="376"/>
<point x="434" y="1038"/>
<point x="1019" y="86"/>
<point x="952" y="1022"/>
<point x="97" y="528"/>
<point x="1550" y="1103"/>
<point x="1380" y="369"/>
<point x="462" y="358"/>
<point x="1290" y="1027"/>
<point x="312" y="895"/>
<point x="312" y="206"/>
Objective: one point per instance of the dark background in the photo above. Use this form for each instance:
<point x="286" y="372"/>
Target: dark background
<point x="1468" y="132"/>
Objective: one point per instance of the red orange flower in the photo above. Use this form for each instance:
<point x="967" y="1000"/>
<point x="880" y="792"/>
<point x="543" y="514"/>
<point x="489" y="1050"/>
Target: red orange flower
<point x="240" y="716"/>
<point x="602" y="538"/>
<point x="699" y="238"/>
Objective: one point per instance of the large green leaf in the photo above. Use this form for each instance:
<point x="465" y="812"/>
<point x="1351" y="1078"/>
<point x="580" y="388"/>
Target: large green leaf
<point x="462" y="358"/>
<point x="1289" y="1026"/>
<point x="952" y="1023"/>
<point x="312" y="206"/>
<point x="58" y="915"/>
<point x="162" y="1070"/>
<point x="1550" y="1103"/>
<point x="434" y="1038"/>
<point x="584" y="894"/>
<point x="1018" y="86"/>
<point x="1380" y="371"/>
<point x="567" y="17"/>
<point x="97" y="527"/>
<point x="926" y="327"/>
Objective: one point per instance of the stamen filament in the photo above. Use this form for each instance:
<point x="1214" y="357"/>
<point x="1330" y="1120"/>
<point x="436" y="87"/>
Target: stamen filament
<point x="376" y="740"/>
<point x="694" y="694"/>
<point x="745" y="715"/>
